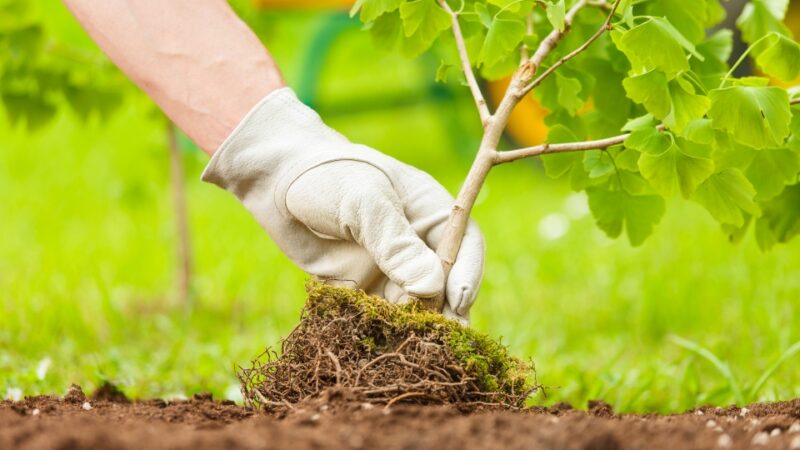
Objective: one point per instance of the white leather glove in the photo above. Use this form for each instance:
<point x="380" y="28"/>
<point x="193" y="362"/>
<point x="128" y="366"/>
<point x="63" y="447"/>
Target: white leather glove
<point x="344" y="212"/>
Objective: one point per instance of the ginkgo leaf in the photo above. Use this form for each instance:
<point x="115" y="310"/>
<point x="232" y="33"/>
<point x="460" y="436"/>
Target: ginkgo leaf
<point x="556" y="165"/>
<point x="649" y="89"/>
<point x="727" y="195"/>
<point x="771" y="170"/>
<point x="423" y="20"/>
<point x="780" y="218"/>
<point x="781" y="58"/>
<point x="675" y="101"/>
<point x="648" y="140"/>
<point x="372" y="9"/>
<point x="686" y="105"/>
<point x="568" y="93"/>
<point x="760" y="17"/>
<point x="615" y="210"/>
<point x="681" y="168"/>
<point x="758" y="116"/>
<point x="556" y="12"/>
<point x="503" y="37"/>
<point x="597" y="163"/>
<point x="655" y="44"/>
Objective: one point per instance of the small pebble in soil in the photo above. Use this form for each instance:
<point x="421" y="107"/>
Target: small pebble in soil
<point x="718" y="429"/>
<point x="314" y="418"/>
<point x="699" y="413"/>
<point x="711" y="423"/>
<point x="744" y="412"/>
<point x="795" y="428"/>
<point x="775" y="432"/>
<point x="724" y="441"/>
<point x="795" y="445"/>
<point x="35" y="412"/>
<point x="367" y="406"/>
<point x="760" y="438"/>
<point x="86" y="406"/>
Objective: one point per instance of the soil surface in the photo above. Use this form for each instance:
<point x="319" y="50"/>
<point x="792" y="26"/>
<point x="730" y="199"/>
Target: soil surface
<point x="109" y="421"/>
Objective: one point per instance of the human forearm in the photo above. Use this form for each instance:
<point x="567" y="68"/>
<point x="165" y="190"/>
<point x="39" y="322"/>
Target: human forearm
<point x="195" y="58"/>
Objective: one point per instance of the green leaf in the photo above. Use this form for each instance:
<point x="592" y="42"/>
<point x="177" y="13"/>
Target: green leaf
<point x="568" y="90"/>
<point x="727" y="195"/>
<point x="598" y="163"/>
<point x="771" y="170"/>
<point x="372" y="9"/>
<point x="556" y="13"/>
<point x="716" y="50"/>
<point x="781" y="58"/>
<point x="557" y="165"/>
<point x="700" y="131"/>
<point x="675" y="102"/>
<point x="649" y="140"/>
<point x="780" y="218"/>
<point x="505" y="34"/>
<point x="386" y="30"/>
<point x="686" y="104"/>
<point x="689" y="16"/>
<point x="649" y="89"/>
<point x="423" y="20"/>
<point x="655" y="44"/>
<point x="483" y="14"/>
<point x="760" y="17"/>
<point x="615" y="210"/>
<point x="441" y="72"/>
<point x="755" y="116"/>
<point x="681" y="168"/>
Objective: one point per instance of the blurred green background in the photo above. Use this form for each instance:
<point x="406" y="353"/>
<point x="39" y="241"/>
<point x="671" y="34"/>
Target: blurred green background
<point x="88" y="247"/>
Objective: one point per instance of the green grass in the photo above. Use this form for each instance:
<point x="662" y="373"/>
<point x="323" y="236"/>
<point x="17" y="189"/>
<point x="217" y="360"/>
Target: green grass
<point x="86" y="268"/>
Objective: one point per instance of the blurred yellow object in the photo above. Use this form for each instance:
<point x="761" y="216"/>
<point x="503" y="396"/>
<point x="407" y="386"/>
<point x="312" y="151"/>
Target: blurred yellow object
<point x="303" y="4"/>
<point x="526" y="125"/>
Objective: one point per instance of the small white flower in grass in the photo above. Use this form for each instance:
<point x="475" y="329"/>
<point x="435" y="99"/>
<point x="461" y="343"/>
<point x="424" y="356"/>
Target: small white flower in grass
<point x="576" y="205"/>
<point x="14" y="394"/>
<point x="724" y="441"/>
<point x="553" y="226"/>
<point x="86" y="406"/>
<point x="43" y="367"/>
<point x="760" y="438"/>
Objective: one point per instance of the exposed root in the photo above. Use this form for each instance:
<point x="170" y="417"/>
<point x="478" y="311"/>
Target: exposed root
<point x="383" y="354"/>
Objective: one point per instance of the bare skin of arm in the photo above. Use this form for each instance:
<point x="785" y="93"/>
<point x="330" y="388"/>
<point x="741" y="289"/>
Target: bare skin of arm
<point x="195" y="58"/>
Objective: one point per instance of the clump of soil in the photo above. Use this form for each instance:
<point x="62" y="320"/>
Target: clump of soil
<point x="385" y="354"/>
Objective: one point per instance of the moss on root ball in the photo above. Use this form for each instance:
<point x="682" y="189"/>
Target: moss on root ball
<point x="383" y="353"/>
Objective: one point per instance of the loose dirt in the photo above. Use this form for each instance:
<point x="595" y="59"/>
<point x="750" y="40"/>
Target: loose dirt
<point x="334" y="421"/>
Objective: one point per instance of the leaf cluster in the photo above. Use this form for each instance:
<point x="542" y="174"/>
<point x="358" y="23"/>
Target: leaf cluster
<point x="695" y="131"/>
<point x="40" y="75"/>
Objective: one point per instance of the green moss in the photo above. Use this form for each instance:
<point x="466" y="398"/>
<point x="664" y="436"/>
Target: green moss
<point x="480" y="356"/>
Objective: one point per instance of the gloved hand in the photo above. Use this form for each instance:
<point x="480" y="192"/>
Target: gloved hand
<point x="344" y="212"/>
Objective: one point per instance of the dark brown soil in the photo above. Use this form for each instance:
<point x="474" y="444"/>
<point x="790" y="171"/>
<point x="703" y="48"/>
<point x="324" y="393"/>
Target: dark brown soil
<point x="112" y="422"/>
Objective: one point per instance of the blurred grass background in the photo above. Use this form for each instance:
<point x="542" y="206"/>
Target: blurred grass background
<point x="87" y="253"/>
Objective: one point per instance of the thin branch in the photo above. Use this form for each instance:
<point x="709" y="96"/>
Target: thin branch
<point x="794" y="101"/>
<point x="466" y="67"/>
<point x="545" y="149"/>
<point x="606" y="27"/>
<point x="549" y="43"/>
<point x="528" y="32"/>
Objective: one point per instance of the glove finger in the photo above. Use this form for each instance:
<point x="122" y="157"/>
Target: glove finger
<point x="355" y="201"/>
<point x="467" y="272"/>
